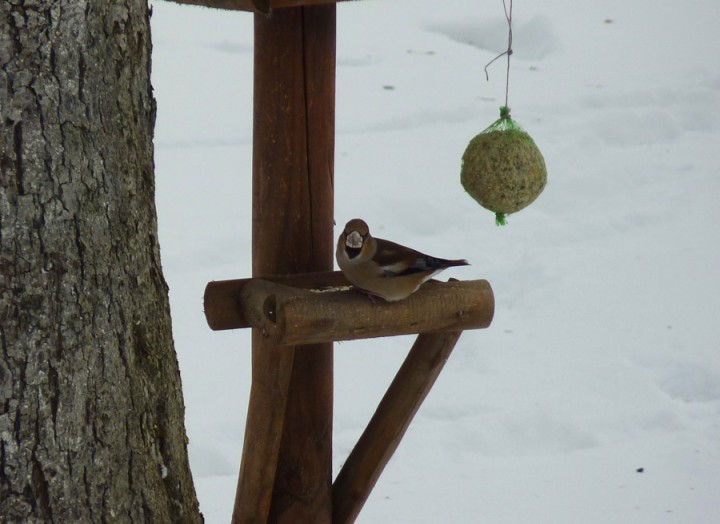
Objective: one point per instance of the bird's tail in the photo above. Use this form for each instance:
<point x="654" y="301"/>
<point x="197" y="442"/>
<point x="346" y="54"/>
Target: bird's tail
<point x="442" y="263"/>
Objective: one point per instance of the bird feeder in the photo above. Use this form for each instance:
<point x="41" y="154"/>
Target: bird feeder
<point x="502" y="168"/>
<point x="297" y="306"/>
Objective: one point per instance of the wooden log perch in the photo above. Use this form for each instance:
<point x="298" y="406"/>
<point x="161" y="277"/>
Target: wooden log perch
<point x="293" y="315"/>
<point x="222" y="297"/>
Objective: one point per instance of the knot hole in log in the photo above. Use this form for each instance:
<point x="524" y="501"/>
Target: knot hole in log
<point x="270" y="308"/>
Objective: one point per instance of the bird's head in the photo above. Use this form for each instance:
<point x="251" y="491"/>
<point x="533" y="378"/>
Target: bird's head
<point x="356" y="233"/>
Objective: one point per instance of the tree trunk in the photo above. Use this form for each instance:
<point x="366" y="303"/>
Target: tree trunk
<point x="91" y="409"/>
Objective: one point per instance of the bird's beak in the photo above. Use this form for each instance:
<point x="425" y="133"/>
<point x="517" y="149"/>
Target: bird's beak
<point x="354" y="240"/>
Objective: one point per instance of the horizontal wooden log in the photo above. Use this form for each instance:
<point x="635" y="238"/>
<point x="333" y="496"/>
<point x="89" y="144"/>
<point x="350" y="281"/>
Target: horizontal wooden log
<point x="255" y="6"/>
<point x="292" y="316"/>
<point x="222" y="297"/>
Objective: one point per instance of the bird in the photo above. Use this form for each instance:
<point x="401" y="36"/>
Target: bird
<point x="383" y="268"/>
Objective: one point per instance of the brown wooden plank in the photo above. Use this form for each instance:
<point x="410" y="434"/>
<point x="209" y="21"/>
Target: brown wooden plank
<point x="292" y="233"/>
<point x="257" y="6"/>
<point x="389" y="423"/>
<point x="271" y="372"/>
<point x="303" y="487"/>
<point x="281" y="4"/>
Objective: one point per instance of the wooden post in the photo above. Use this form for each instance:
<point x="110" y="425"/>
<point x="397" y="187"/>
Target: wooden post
<point x="286" y="470"/>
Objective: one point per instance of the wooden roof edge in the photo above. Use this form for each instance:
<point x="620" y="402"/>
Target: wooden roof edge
<point x="255" y="6"/>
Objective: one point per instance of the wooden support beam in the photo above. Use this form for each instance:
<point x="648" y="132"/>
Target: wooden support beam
<point x="289" y="316"/>
<point x="271" y="372"/>
<point x="389" y="423"/>
<point x="286" y="470"/>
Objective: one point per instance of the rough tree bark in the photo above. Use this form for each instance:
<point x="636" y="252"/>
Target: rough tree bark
<point x="91" y="410"/>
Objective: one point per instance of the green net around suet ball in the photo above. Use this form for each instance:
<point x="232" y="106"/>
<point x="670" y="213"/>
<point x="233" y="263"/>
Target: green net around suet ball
<point x="502" y="168"/>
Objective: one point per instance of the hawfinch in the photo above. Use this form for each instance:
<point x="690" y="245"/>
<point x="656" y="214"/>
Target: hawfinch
<point x="383" y="268"/>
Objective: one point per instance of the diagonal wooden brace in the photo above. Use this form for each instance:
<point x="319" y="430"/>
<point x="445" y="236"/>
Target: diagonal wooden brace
<point x="385" y="430"/>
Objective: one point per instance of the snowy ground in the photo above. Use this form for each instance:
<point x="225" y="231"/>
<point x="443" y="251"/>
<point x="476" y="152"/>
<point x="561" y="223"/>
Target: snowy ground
<point x="604" y="355"/>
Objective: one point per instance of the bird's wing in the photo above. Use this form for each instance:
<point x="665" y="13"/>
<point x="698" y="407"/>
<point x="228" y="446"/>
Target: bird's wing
<point x="397" y="260"/>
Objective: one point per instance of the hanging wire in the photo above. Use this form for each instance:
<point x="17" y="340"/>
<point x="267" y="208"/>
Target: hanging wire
<point x="507" y="7"/>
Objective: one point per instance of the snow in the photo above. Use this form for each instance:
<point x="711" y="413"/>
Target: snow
<point x="594" y="396"/>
